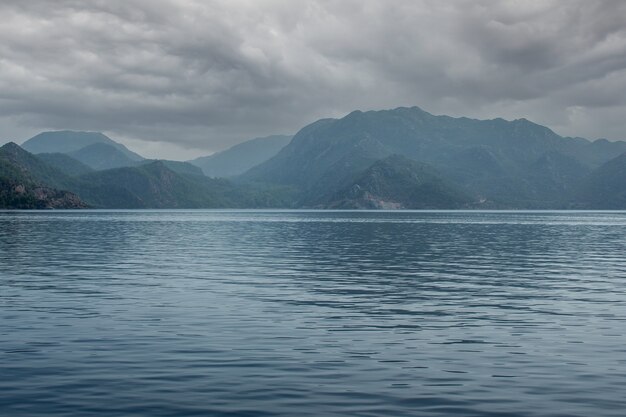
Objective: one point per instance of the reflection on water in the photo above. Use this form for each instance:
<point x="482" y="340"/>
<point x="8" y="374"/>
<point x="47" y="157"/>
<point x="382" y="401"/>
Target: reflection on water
<point x="312" y="313"/>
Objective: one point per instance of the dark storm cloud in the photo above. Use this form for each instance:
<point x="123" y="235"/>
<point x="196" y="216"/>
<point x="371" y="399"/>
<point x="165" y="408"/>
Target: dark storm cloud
<point x="204" y="74"/>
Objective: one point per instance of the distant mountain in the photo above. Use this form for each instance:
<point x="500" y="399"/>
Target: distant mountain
<point x="241" y="157"/>
<point x="482" y="171"/>
<point x="600" y="151"/>
<point x="499" y="161"/>
<point x="65" y="164"/>
<point x="553" y="179"/>
<point x="100" y="156"/>
<point x="184" y="168"/>
<point x="399" y="183"/>
<point x="37" y="181"/>
<point x="157" y="185"/>
<point x="151" y="185"/>
<point x="67" y="141"/>
<point x="605" y="188"/>
<point x="20" y="184"/>
<point x="401" y="158"/>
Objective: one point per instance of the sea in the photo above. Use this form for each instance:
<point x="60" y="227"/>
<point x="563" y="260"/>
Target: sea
<point x="312" y="313"/>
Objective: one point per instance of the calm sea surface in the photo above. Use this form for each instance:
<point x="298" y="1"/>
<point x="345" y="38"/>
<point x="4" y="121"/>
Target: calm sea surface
<point x="308" y="313"/>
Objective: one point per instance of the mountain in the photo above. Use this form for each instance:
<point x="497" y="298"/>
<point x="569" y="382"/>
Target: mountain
<point x="547" y="182"/>
<point x="58" y="181"/>
<point x="554" y="178"/>
<point x="67" y="141"/>
<point x="21" y="186"/>
<point x="151" y="185"/>
<point x="100" y="156"/>
<point x="156" y="185"/>
<point x="32" y="168"/>
<point x="94" y="151"/>
<point x="184" y="168"/>
<point x="399" y="183"/>
<point x="241" y="157"/>
<point x="605" y="187"/>
<point x="400" y="158"/>
<point x="65" y="163"/>
<point x="26" y="194"/>
<point x="600" y="151"/>
<point x="496" y="160"/>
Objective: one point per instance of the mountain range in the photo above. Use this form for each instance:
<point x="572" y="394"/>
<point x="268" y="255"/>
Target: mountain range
<point x="405" y="158"/>
<point x="21" y="184"/>
<point x="54" y="180"/>
<point x="77" y="143"/>
<point x="501" y="164"/>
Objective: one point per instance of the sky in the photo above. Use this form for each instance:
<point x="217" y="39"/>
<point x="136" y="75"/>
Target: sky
<point x="182" y="78"/>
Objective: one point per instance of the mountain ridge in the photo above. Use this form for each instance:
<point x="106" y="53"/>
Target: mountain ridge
<point x="605" y="187"/>
<point x="323" y="154"/>
<point x="67" y="141"/>
<point x="397" y="158"/>
<point x="396" y="182"/>
<point x="21" y="186"/>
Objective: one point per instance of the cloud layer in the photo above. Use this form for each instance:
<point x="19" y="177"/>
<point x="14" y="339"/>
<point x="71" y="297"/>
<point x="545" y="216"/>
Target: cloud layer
<point x="172" y="77"/>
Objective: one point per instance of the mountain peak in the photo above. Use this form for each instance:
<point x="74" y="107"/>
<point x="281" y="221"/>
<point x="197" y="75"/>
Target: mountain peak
<point x="416" y="109"/>
<point x="14" y="151"/>
<point x="102" y="155"/>
<point x="63" y="141"/>
<point x="156" y="164"/>
<point x="69" y="141"/>
<point x="78" y="132"/>
<point x="11" y="146"/>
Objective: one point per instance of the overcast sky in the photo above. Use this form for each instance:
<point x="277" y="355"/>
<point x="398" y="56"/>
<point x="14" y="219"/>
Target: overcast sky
<point x="177" y="78"/>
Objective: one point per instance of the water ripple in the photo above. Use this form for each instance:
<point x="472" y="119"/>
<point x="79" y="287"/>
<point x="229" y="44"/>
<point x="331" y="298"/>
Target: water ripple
<point x="272" y="313"/>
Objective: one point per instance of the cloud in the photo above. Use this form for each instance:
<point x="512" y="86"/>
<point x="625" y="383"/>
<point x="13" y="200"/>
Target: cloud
<point x="197" y="76"/>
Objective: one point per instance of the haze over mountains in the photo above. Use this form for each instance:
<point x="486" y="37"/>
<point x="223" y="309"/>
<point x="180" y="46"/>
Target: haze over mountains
<point x="77" y="143"/>
<point x="241" y="157"/>
<point x="400" y="158"/>
<point x="502" y="164"/>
